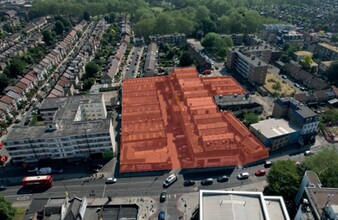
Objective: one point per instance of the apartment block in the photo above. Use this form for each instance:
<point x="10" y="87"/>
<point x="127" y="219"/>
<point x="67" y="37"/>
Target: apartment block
<point x="73" y="128"/>
<point x="327" y="52"/>
<point x="298" y="115"/>
<point x="248" y="66"/>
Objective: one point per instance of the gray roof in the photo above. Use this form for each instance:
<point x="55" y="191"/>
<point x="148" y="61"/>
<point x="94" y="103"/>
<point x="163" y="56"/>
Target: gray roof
<point x="271" y="128"/>
<point x="301" y="109"/>
<point x="64" y="118"/>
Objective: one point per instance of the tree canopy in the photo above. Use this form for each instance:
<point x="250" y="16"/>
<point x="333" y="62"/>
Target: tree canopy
<point x="332" y="73"/>
<point x="325" y="164"/>
<point x="283" y="179"/>
<point x="216" y="44"/>
<point x="6" y="209"/>
<point x="186" y="59"/>
<point x="91" y="69"/>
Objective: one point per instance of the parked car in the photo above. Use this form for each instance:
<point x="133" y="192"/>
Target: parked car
<point x="261" y="172"/>
<point x="189" y="183"/>
<point x="222" y="178"/>
<point x="1" y="145"/>
<point x="44" y="170"/>
<point x="296" y="85"/>
<point x="161" y="215"/>
<point x="170" y="180"/>
<point x="308" y="153"/>
<point x="163" y="196"/>
<point x="3" y="187"/>
<point x="207" y="181"/>
<point x="242" y="176"/>
<point x="284" y="77"/>
<point x="267" y="164"/>
<point x="3" y="159"/>
<point x="57" y="171"/>
<point x="32" y="169"/>
<point x="110" y="180"/>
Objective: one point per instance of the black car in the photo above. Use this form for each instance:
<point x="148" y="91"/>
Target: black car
<point x="207" y="181"/>
<point x="3" y="187"/>
<point x="189" y="183"/>
<point x="163" y="196"/>
<point x="267" y="164"/>
<point x="222" y="178"/>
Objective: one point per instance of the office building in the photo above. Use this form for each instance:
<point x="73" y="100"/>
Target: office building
<point x="240" y="205"/>
<point x="73" y="128"/>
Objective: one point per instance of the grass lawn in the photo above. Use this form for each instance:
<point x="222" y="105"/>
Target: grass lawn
<point x="270" y="84"/>
<point x="157" y="9"/>
<point x="20" y="213"/>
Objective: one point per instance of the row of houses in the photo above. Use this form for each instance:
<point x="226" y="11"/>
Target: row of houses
<point x="32" y="27"/>
<point x="295" y="71"/>
<point x="39" y="72"/>
<point x="115" y="61"/>
<point x="71" y="76"/>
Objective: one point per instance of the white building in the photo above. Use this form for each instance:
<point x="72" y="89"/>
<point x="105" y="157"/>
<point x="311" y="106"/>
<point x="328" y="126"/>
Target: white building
<point x="240" y="205"/>
<point x="74" y="128"/>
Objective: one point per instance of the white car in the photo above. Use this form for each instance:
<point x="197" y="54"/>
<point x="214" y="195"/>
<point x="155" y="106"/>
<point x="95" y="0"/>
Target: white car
<point x="308" y="153"/>
<point x="242" y="176"/>
<point x="44" y="170"/>
<point x="111" y="180"/>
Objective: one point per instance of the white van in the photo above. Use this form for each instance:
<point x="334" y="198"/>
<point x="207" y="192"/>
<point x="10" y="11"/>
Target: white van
<point x="170" y="180"/>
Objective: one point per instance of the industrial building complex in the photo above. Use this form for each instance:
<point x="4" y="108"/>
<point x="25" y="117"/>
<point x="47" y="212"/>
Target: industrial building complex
<point x="173" y="122"/>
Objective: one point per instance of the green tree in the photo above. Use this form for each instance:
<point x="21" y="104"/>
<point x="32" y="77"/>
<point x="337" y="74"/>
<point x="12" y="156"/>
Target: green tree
<point x="186" y="59"/>
<point x="59" y="27"/>
<point x="15" y="68"/>
<point x="164" y="24"/>
<point x="325" y="164"/>
<point x="277" y="86"/>
<point x="4" y="81"/>
<point x="91" y="69"/>
<point x="332" y="73"/>
<point x="250" y="118"/>
<point x="86" y="16"/>
<point x="6" y="209"/>
<point x="283" y="179"/>
<point x="87" y="83"/>
<point x="145" y="27"/>
<point x="48" y="37"/>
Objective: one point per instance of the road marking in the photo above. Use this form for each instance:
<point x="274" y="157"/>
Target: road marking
<point x="175" y="196"/>
<point x="104" y="190"/>
<point x="22" y="198"/>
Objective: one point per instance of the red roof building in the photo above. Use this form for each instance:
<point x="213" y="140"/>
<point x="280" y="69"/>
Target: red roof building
<point x="172" y="122"/>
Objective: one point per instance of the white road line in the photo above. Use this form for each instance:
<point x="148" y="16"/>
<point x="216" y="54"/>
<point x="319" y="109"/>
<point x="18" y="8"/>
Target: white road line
<point x="104" y="190"/>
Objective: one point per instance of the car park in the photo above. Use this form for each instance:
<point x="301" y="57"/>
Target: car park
<point x="207" y="181"/>
<point x="308" y="153"/>
<point x="267" y="164"/>
<point x="261" y="172"/>
<point x="242" y="176"/>
<point x="189" y="183"/>
<point x="110" y="180"/>
<point x="163" y="196"/>
<point x="222" y="178"/>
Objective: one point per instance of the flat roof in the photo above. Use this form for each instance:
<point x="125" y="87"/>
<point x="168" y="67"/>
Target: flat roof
<point x="303" y="53"/>
<point x="271" y="128"/>
<point x="239" y="205"/>
<point x="330" y="47"/>
<point x="65" y="109"/>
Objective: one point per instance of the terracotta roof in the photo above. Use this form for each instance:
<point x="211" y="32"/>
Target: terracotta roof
<point x="166" y="126"/>
<point x="6" y="99"/>
<point x="31" y="75"/>
<point x="25" y="81"/>
<point x="21" y="85"/>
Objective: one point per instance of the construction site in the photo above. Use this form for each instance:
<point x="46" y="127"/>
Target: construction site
<point x="172" y="122"/>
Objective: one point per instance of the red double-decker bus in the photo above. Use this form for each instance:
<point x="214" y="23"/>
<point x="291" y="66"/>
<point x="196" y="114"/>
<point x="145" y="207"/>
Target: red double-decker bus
<point x="40" y="182"/>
